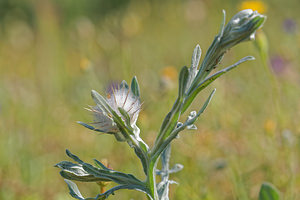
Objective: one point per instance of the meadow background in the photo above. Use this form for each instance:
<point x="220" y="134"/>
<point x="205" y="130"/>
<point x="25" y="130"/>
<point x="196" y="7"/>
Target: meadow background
<point x="52" y="53"/>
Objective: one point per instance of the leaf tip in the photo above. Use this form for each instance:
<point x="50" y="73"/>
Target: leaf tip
<point x="251" y="58"/>
<point x="93" y="93"/>
<point x="68" y="152"/>
<point x="79" y="122"/>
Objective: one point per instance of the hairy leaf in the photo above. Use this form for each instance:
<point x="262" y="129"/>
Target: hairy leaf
<point x="135" y="87"/>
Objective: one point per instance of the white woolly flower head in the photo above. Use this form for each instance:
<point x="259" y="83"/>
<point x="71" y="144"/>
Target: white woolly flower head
<point x="124" y="98"/>
<point x="119" y="98"/>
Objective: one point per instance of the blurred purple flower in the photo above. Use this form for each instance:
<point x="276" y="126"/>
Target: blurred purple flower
<point x="278" y="64"/>
<point x="289" y="25"/>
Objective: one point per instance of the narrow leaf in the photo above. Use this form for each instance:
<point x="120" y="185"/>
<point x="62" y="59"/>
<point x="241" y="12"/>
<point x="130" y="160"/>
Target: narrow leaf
<point x="88" y="178"/>
<point x="124" y="84"/>
<point x="194" y="66"/>
<point x="196" y="57"/>
<point x="101" y="101"/>
<point x="100" y="165"/>
<point x="74" y="191"/>
<point x="118" y="177"/>
<point x="135" y="87"/>
<point x="183" y="80"/>
<point x="125" y="115"/>
<point x="90" y="127"/>
<point x="74" y="157"/>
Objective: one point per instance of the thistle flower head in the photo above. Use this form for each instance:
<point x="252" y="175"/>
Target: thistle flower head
<point x="122" y="100"/>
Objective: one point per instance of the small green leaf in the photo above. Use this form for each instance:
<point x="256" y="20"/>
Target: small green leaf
<point x="91" y="127"/>
<point x="194" y="66"/>
<point x="125" y="115"/>
<point x="196" y="57"/>
<point x="100" y="165"/>
<point x="183" y="80"/>
<point x="124" y="84"/>
<point x="268" y="192"/>
<point x="135" y="87"/>
<point x="74" y="191"/>
<point x="74" y="157"/>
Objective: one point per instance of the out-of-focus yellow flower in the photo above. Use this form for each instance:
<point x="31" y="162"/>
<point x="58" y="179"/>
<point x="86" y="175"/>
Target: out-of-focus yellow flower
<point x="258" y="6"/>
<point x="270" y="126"/>
<point x="168" y="77"/>
<point x="85" y="64"/>
<point x="169" y="73"/>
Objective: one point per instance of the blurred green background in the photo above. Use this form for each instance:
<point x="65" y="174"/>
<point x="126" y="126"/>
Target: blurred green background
<point x="52" y="53"/>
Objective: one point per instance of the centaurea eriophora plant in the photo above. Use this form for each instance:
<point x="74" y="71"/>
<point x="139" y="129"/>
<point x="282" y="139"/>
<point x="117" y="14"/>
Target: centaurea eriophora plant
<point x="117" y="115"/>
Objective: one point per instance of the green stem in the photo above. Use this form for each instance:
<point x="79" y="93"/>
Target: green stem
<point x="151" y="179"/>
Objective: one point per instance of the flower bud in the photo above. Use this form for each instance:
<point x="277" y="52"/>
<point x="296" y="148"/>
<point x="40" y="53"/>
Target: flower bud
<point x="241" y="28"/>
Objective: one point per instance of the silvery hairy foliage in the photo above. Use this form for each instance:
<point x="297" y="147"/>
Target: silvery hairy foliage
<point x="117" y="113"/>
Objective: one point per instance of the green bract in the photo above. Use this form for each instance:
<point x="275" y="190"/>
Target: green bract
<point x="117" y="115"/>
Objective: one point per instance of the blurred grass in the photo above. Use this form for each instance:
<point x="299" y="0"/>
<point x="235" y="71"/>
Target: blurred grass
<point x="52" y="53"/>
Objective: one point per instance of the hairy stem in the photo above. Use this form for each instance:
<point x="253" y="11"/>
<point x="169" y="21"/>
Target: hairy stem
<point x="151" y="179"/>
